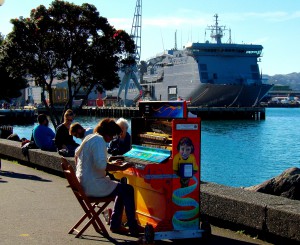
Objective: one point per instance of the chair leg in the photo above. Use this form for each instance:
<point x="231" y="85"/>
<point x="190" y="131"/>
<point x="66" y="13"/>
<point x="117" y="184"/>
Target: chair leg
<point x="86" y="215"/>
<point x="97" y="227"/>
<point x="100" y="223"/>
<point x="74" y="228"/>
<point x="94" y="219"/>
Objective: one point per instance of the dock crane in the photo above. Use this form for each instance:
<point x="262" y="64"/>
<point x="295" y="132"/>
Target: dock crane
<point x="130" y="71"/>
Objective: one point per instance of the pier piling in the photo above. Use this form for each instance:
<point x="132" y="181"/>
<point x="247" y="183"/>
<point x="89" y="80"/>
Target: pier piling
<point x="205" y="113"/>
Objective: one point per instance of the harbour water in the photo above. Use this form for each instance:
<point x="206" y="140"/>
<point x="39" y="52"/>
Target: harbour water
<point x="239" y="153"/>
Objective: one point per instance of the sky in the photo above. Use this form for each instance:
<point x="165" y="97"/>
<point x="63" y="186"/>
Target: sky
<point x="272" y="23"/>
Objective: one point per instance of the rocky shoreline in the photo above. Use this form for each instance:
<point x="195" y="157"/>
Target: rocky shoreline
<point x="287" y="184"/>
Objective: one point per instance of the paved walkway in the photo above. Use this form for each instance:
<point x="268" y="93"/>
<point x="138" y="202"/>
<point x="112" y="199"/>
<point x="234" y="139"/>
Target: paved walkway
<point x="37" y="208"/>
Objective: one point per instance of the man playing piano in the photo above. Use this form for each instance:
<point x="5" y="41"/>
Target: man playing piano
<point x="91" y="167"/>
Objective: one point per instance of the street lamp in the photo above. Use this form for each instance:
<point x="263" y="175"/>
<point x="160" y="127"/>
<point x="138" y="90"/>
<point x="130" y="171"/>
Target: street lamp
<point x="1" y="2"/>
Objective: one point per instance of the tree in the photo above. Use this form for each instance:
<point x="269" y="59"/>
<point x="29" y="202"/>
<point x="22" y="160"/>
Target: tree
<point x="1" y="38"/>
<point x="67" y="42"/>
<point x="10" y="86"/>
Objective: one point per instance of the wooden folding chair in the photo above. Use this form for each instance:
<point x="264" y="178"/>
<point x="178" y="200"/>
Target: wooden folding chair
<point x="92" y="206"/>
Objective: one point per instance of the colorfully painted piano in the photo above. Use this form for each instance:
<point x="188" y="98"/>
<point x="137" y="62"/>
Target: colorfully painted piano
<point x="166" y="177"/>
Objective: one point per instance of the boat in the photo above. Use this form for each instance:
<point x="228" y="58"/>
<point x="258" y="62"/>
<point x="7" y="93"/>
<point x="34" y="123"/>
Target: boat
<point x="209" y="74"/>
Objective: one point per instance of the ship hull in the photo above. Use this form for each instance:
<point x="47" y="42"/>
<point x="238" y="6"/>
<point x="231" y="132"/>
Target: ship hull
<point x="202" y="94"/>
<point x="228" y="95"/>
<point x="216" y="95"/>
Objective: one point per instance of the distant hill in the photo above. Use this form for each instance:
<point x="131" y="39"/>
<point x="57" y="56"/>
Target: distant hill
<point x="292" y="80"/>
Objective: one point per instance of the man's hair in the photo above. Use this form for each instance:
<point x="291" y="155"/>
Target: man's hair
<point x="41" y="118"/>
<point x="74" y="127"/>
<point x="68" y="113"/>
<point x="108" y="127"/>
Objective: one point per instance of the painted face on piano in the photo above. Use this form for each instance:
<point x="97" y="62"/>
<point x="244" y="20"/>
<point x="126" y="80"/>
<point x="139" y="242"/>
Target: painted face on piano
<point x="185" y="151"/>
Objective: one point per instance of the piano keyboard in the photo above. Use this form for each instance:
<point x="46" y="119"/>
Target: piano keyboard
<point x="141" y="156"/>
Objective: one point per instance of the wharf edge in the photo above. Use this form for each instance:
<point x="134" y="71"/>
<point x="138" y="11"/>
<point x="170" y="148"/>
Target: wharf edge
<point x="205" y="113"/>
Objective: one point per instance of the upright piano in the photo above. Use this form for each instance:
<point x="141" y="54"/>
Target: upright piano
<point x="166" y="177"/>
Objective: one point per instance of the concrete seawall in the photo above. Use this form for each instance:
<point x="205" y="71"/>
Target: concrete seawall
<point x="273" y="216"/>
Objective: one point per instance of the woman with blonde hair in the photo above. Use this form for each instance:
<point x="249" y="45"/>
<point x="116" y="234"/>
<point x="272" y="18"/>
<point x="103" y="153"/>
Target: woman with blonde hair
<point x="64" y="142"/>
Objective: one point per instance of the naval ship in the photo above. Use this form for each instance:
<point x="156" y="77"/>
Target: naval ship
<point x="212" y="74"/>
<point x="209" y="74"/>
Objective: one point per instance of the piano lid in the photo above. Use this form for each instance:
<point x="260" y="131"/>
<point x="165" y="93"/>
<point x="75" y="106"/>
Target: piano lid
<point x="163" y="109"/>
<point x="149" y="154"/>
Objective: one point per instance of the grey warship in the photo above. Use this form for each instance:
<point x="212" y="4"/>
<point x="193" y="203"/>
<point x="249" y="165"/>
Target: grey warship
<point x="212" y="74"/>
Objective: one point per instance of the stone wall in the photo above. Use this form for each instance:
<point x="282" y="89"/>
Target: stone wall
<point x="270" y="215"/>
<point x="12" y="149"/>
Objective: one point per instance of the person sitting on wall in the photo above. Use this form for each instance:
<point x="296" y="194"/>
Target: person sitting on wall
<point x="122" y="144"/>
<point x="43" y="135"/>
<point x="63" y="140"/>
<point x="14" y="137"/>
<point x="78" y="131"/>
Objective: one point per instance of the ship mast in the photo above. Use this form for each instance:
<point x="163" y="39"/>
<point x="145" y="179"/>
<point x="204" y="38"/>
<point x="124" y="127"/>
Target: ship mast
<point x="216" y="30"/>
<point x="175" y="47"/>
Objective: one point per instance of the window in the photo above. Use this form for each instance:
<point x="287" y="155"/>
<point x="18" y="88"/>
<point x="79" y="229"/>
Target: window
<point x="172" y="90"/>
<point x="172" y="93"/>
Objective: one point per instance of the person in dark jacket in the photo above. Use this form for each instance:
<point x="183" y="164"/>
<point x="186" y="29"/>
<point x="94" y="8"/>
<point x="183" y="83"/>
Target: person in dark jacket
<point x="63" y="140"/>
<point x="122" y="144"/>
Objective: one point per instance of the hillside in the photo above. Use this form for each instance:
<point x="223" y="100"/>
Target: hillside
<point x="292" y="80"/>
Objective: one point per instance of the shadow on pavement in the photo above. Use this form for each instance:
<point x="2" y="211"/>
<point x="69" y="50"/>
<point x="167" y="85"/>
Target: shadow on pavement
<point x="15" y="175"/>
